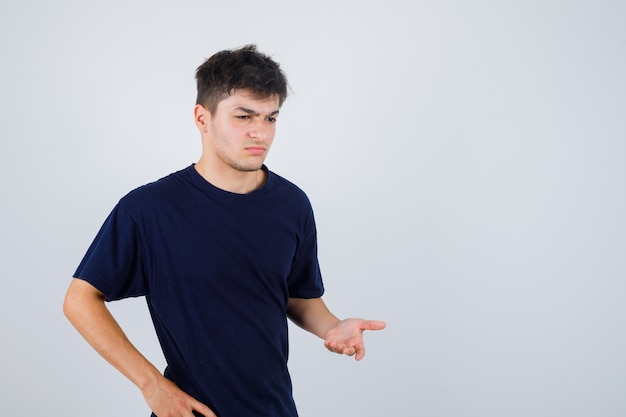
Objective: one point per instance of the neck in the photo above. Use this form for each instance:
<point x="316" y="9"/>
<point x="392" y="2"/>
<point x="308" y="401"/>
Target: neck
<point x="230" y="179"/>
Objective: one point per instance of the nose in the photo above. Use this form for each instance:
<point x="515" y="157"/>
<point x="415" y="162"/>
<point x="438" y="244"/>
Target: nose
<point x="258" y="131"/>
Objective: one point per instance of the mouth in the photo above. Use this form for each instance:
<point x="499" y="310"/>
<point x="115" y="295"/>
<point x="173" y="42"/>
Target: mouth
<point x="255" y="150"/>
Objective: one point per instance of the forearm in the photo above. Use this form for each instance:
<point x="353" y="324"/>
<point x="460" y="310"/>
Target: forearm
<point x="84" y="307"/>
<point x="312" y="315"/>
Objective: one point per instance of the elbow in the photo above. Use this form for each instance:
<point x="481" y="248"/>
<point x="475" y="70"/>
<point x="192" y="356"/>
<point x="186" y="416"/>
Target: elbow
<point x="69" y="304"/>
<point x="79" y="296"/>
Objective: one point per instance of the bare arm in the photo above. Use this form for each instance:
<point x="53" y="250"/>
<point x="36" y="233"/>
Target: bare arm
<point x="312" y="315"/>
<point x="85" y="308"/>
<point x="340" y="336"/>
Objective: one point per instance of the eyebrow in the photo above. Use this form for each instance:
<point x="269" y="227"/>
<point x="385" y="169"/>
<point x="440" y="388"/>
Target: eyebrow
<point x="254" y="113"/>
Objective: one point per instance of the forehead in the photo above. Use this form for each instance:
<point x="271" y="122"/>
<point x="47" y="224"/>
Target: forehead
<point x="249" y="100"/>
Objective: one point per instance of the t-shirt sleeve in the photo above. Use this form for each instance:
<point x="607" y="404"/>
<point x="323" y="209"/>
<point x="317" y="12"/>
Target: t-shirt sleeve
<point x="305" y="279"/>
<point x="114" y="261"/>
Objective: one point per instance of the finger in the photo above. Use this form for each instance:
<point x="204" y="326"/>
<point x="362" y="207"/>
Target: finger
<point x="339" y="348"/>
<point x="374" y="325"/>
<point x="349" y="350"/>
<point x="333" y="347"/>
<point x="336" y="347"/>
<point x="203" y="409"/>
<point x="359" y="352"/>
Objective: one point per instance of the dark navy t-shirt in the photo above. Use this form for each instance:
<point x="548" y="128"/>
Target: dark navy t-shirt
<point x="217" y="269"/>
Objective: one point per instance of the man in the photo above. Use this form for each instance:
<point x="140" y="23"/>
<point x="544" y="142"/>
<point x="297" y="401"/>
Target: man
<point x="224" y="252"/>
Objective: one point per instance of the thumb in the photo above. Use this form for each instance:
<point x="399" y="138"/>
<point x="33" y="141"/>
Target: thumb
<point x="374" y="325"/>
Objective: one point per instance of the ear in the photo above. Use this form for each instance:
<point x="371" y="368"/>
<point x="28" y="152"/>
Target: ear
<point x="202" y="117"/>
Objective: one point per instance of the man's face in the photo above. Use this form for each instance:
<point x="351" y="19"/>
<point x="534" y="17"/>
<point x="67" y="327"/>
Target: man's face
<point x="242" y="129"/>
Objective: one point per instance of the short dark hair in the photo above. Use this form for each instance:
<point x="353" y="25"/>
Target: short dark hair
<point x="243" y="68"/>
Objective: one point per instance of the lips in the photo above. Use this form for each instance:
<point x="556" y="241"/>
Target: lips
<point x="256" y="150"/>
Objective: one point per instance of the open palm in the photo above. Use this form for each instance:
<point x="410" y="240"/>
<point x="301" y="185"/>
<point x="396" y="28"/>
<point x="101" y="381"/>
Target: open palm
<point x="347" y="337"/>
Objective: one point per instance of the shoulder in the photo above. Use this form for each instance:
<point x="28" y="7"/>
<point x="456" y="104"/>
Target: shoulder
<point x="290" y="200"/>
<point x="283" y="185"/>
<point x="155" y="193"/>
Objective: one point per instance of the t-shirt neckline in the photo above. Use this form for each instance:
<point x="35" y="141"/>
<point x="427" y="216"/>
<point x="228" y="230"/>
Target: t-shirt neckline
<point x="208" y="187"/>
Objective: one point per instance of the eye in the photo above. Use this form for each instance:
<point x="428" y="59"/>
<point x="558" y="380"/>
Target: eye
<point x="271" y="119"/>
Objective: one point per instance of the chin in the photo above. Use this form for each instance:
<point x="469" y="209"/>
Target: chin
<point x="247" y="167"/>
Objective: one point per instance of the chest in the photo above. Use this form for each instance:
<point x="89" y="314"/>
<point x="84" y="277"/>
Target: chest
<point x="215" y="248"/>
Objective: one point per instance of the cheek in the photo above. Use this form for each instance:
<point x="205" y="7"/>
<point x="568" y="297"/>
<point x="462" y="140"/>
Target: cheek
<point x="228" y="135"/>
<point x="271" y="133"/>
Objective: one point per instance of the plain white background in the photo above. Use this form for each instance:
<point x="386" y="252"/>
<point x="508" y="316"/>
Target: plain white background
<point x="465" y="159"/>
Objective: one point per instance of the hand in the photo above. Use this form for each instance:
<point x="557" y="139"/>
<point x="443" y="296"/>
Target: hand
<point x="347" y="337"/>
<point x="165" y="399"/>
